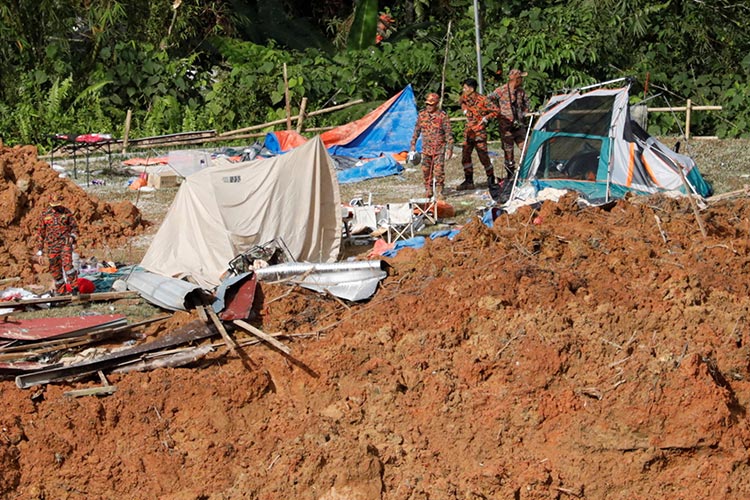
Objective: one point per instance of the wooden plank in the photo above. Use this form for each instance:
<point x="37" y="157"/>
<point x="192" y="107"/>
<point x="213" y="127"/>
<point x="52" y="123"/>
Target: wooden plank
<point x="84" y="297"/>
<point x="263" y="336"/>
<point x="103" y="390"/>
<point x="202" y="313"/>
<point x="219" y="326"/>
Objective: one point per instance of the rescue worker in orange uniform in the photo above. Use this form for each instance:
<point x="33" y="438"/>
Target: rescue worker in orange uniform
<point x="513" y="106"/>
<point x="437" y="144"/>
<point x="478" y="111"/>
<point x="58" y="232"/>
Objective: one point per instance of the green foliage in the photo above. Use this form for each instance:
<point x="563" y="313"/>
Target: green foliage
<point x="364" y="27"/>
<point x="78" y="66"/>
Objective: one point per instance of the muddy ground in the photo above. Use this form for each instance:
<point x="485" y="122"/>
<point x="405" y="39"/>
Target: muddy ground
<point x="565" y="353"/>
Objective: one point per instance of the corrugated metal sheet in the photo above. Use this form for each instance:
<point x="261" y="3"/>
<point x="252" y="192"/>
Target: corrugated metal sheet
<point x="170" y="293"/>
<point x="348" y="280"/>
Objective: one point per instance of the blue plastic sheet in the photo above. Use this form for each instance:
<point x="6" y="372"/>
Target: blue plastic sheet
<point x="381" y="167"/>
<point x="444" y="233"/>
<point x="416" y="242"/>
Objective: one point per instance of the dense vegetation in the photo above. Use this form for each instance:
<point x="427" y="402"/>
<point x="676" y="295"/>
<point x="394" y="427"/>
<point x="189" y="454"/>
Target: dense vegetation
<point x="78" y="66"/>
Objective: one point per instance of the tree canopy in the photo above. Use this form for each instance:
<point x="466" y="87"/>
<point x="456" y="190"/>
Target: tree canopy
<point x="78" y="66"/>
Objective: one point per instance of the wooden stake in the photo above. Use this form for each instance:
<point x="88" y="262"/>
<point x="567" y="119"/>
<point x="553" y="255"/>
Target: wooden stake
<point x="263" y="336"/>
<point x="693" y="205"/>
<point x="126" y="133"/>
<point x="661" y="231"/>
<point x="207" y="310"/>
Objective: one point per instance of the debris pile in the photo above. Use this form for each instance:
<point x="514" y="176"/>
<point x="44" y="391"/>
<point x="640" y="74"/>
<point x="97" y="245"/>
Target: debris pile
<point x="26" y="185"/>
<point x="566" y="352"/>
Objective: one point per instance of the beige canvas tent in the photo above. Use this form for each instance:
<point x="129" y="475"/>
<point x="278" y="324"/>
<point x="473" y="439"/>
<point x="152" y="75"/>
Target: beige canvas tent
<point x="225" y="209"/>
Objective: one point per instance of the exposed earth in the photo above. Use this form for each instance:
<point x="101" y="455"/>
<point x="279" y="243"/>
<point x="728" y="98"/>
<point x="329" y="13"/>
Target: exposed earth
<point x="565" y="353"/>
<point x="26" y="186"/>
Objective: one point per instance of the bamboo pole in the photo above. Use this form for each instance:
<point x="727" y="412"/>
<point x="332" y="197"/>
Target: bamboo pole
<point x="335" y="108"/>
<point x="279" y="122"/>
<point x="287" y="101"/>
<point x="684" y="108"/>
<point x="319" y="129"/>
<point x="301" y="116"/>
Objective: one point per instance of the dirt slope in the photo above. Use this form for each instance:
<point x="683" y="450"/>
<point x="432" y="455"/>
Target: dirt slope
<point x="568" y="353"/>
<point x="26" y="185"/>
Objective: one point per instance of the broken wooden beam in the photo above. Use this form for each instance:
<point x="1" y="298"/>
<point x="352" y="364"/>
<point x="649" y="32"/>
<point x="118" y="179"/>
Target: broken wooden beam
<point x="263" y="336"/>
<point x="102" y="390"/>
<point x="223" y="331"/>
<point x="84" y="297"/>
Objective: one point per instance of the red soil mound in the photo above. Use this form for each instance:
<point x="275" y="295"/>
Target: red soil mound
<point x="567" y="353"/>
<point x="26" y="185"/>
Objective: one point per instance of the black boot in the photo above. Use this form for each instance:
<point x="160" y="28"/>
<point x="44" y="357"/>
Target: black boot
<point x="494" y="188"/>
<point x="467" y="184"/>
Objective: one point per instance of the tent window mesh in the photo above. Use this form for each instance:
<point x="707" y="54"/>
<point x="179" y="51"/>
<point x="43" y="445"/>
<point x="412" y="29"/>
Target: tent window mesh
<point x="587" y="115"/>
<point x="570" y="158"/>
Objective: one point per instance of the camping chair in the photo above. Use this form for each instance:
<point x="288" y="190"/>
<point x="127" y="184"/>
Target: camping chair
<point x="399" y="221"/>
<point x="426" y="208"/>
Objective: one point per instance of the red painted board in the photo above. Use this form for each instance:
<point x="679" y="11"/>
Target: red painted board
<point x="47" y="328"/>
<point x="239" y="303"/>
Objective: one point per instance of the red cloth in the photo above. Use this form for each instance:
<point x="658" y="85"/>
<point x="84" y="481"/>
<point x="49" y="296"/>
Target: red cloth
<point x="84" y="286"/>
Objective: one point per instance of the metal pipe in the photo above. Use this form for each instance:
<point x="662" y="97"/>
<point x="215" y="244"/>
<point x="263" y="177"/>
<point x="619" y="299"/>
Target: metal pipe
<point x="480" y="80"/>
<point x="281" y="271"/>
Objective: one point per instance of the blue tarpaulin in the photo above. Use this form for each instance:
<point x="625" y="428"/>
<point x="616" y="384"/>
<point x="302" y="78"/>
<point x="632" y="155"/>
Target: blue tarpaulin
<point x="380" y="167"/>
<point x="380" y="134"/>
<point x="389" y="132"/>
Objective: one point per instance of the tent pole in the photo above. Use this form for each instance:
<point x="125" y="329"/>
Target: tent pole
<point x="601" y="84"/>
<point x="520" y="160"/>
<point x="612" y="137"/>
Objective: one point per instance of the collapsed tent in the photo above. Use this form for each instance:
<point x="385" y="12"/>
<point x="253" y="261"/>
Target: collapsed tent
<point x="587" y="142"/>
<point x="370" y="141"/>
<point x="385" y="130"/>
<point x="226" y="209"/>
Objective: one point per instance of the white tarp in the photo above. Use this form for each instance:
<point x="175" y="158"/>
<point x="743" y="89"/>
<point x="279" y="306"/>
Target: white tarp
<point x="222" y="211"/>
